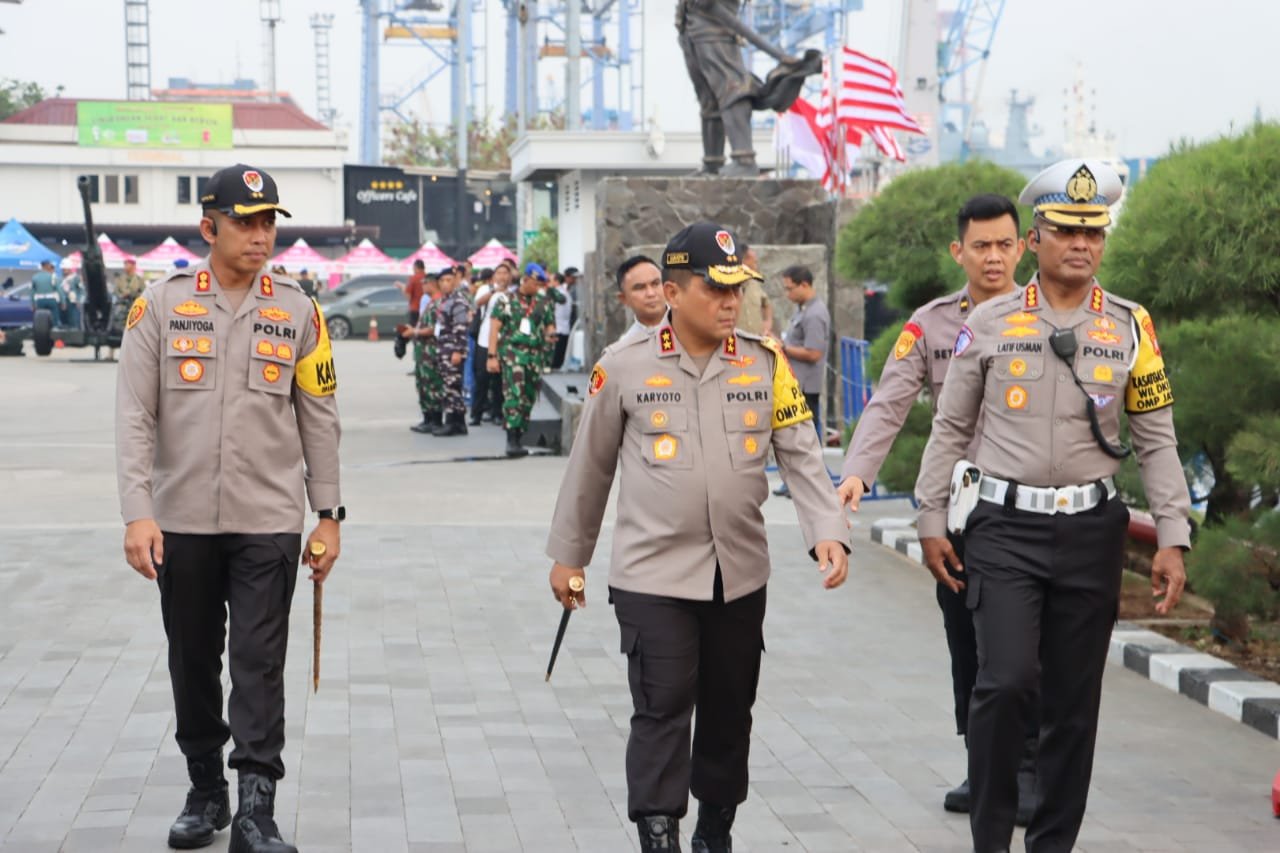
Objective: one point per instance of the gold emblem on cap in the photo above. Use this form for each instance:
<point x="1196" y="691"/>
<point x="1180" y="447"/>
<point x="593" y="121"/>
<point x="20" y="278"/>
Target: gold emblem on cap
<point x="1082" y="188"/>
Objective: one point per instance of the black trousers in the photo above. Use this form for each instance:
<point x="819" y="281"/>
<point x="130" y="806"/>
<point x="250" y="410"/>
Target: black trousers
<point x="957" y="624"/>
<point x="201" y="579"/>
<point x="683" y="654"/>
<point x="557" y="356"/>
<point x="487" y="393"/>
<point x="1044" y="591"/>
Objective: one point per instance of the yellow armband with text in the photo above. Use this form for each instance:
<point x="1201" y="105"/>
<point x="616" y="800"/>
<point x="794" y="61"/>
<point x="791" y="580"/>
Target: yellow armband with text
<point x="789" y="406"/>
<point x="314" y="373"/>
<point x="1148" y="387"/>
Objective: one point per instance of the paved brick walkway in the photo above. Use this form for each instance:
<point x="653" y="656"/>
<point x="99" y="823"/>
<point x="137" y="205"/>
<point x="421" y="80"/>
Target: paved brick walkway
<point x="433" y="729"/>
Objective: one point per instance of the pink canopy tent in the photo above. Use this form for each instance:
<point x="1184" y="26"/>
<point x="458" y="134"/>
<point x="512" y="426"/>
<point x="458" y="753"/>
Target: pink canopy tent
<point x="301" y="256"/>
<point x="364" y="259"/>
<point x="162" y="257"/>
<point x="431" y="256"/>
<point x="113" y="257"/>
<point x="491" y="254"/>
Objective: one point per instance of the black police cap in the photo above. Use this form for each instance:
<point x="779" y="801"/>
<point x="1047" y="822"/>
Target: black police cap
<point x="708" y="250"/>
<point x="241" y="190"/>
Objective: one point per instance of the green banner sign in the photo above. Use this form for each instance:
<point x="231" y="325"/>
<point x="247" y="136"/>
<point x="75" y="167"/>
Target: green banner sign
<point x="153" y="124"/>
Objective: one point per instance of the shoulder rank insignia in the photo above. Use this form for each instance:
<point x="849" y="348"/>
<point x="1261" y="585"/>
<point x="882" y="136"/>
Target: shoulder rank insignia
<point x="731" y="342"/>
<point x="203" y="281"/>
<point x="268" y="289"/>
<point x="1031" y="296"/>
<point x="667" y="340"/>
<point x="1095" y="299"/>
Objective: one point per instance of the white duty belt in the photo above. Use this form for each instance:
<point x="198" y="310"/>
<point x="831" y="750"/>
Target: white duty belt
<point x="1048" y="500"/>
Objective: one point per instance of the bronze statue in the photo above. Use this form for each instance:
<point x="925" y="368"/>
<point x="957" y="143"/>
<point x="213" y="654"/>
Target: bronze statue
<point x="711" y="37"/>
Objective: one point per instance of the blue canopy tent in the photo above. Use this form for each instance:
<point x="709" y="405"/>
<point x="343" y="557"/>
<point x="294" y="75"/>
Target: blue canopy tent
<point x="19" y="250"/>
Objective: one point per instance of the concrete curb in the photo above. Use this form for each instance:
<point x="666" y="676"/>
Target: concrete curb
<point x="1211" y="681"/>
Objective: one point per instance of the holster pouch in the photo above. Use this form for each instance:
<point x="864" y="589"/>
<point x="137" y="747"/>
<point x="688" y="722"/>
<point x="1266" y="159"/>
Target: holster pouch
<point x="965" y="477"/>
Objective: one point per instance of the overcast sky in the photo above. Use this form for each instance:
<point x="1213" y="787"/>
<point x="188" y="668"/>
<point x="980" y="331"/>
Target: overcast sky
<point x="1161" y="69"/>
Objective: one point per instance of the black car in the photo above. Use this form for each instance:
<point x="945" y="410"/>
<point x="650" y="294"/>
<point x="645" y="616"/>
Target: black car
<point x="15" y="317"/>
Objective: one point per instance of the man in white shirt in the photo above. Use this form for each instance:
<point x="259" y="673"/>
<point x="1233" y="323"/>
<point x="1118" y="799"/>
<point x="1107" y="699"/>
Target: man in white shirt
<point x="640" y="290"/>
<point x="564" y="315"/>
<point x="486" y="393"/>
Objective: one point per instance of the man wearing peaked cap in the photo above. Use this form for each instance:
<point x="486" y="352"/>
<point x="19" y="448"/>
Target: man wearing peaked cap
<point x="1046" y="372"/>
<point x="225" y="415"/>
<point x="240" y="191"/>
<point x="688" y="414"/>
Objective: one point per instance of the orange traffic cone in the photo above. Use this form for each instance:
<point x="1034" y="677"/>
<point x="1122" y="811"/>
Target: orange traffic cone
<point x="373" y="328"/>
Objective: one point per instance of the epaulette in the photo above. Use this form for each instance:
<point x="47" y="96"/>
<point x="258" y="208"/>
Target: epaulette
<point x="749" y="336"/>
<point x="626" y="342"/>
<point x="943" y="301"/>
<point x="1122" y="302"/>
<point x="175" y="274"/>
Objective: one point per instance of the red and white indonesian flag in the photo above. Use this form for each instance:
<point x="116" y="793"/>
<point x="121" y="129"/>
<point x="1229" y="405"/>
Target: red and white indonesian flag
<point x="805" y="142"/>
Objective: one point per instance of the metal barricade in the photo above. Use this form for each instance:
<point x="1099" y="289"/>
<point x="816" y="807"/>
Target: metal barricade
<point x="855" y="392"/>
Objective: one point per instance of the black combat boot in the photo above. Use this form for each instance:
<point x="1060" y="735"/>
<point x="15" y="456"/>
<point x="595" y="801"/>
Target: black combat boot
<point x="430" y="420"/>
<point x="514" y="448"/>
<point x="711" y="835"/>
<point x="659" y="834"/>
<point x="1027" y="799"/>
<point x="254" y="828"/>
<point x="454" y="424"/>
<point x="208" y="808"/>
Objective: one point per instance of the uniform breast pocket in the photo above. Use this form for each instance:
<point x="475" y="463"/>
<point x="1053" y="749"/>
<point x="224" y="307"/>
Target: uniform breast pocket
<point x="1105" y="381"/>
<point x="747" y="429"/>
<point x="664" y="435"/>
<point x="1018" y="379"/>
<point x="189" y="365"/>
<point x="271" y="367"/>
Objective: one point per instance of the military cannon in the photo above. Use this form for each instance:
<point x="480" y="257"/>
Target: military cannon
<point x="100" y="324"/>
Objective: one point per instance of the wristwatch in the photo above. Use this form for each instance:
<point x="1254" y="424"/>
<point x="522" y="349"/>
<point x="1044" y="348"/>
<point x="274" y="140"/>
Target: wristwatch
<point x="339" y="514"/>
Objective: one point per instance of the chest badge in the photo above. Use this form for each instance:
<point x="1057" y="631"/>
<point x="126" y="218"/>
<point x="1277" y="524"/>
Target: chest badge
<point x="184" y="345"/>
<point x="284" y="351"/>
<point x="750" y="445"/>
<point x="658" y="419"/>
<point x="1103" y="337"/>
<point x="1017" y="367"/>
<point x="750" y="418"/>
<point x="278" y="315"/>
<point x="658" y="381"/>
<point x="1019" y="332"/>
<point x="746" y="379"/>
<point x="743" y="363"/>
<point x="190" y="308"/>
<point x="191" y="370"/>
<point x="271" y="373"/>
<point x="1016" y="397"/>
<point x="665" y="448"/>
<point x="1102" y="373"/>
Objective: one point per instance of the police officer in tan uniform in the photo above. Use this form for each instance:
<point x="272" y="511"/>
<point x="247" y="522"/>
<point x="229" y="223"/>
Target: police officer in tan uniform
<point x="1047" y="371"/>
<point x="225" y="411"/>
<point x="690" y="413"/>
<point x="988" y="247"/>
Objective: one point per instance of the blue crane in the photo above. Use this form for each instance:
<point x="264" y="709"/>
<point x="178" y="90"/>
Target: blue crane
<point x="967" y="44"/>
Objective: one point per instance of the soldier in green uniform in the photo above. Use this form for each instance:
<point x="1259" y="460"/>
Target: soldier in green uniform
<point x="519" y="329"/>
<point x="425" y="356"/>
<point x="127" y="287"/>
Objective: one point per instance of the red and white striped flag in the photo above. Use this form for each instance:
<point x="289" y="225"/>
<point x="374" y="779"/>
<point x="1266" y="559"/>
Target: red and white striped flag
<point x="884" y="139"/>
<point x="869" y="94"/>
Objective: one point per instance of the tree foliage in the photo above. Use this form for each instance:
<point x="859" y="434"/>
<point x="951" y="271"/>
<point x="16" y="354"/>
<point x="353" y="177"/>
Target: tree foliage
<point x="901" y="236"/>
<point x="1198" y="236"/>
<point x="544" y="248"/>
<point x="1199" y="245"/>
<point x="416" y="143"/>
<point x="17" y="95"/>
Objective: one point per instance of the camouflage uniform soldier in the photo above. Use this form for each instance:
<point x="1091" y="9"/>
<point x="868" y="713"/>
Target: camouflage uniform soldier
<point x="453" y="313"/>
<point x="127" y="287"/>
<point x="520" y="325"/>
<point x="425" y="356"/>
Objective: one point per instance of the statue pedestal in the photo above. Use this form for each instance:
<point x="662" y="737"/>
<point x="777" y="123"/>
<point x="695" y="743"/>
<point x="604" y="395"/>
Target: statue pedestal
<point x="787" y="221"/>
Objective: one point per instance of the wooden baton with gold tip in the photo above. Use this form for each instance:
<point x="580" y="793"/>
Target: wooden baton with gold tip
<point x="317" y="549"/>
